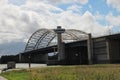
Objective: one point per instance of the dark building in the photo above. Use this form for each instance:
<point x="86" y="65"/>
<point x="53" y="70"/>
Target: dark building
<point x="7" y="58"/>
<point x="106" y="49"/>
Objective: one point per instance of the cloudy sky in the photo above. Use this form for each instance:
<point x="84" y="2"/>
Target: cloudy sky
<point x="20" y="18"/>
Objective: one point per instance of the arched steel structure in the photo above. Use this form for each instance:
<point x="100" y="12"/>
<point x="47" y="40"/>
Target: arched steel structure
<point x="46" y="37"/>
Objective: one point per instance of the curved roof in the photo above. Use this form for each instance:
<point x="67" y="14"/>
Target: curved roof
<point x="47" y="37"/>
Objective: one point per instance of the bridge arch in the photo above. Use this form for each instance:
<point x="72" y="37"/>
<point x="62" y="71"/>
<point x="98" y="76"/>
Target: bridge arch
<point x="47" y="37"/>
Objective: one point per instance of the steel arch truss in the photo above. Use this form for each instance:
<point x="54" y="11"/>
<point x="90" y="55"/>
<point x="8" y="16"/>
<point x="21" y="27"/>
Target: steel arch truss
<point x="47" y="37"/>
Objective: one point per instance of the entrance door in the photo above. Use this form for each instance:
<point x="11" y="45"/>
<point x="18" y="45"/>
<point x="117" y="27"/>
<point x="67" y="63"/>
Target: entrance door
<point x="77" y="55"/>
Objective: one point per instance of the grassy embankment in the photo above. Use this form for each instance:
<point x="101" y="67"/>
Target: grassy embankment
<point x="93" y="72"/>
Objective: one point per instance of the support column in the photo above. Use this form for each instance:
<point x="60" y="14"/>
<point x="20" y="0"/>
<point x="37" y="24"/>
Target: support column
<point x="59" y="46"/>
<point x="59" y="31"/>
<point x="108" y="50"/>
<point x="90" y="48"/>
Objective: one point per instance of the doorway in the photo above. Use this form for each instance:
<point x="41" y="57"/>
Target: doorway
<point x="77" y="55"/>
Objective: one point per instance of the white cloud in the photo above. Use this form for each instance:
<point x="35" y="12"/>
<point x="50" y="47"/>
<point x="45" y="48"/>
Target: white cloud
<point x="86" y="22"/>
<point x="17" y="23"/>
<point x="114" y="4"/>
<point x="39" y="6"/>
<point x="75" y="8"/>
<point x="67" y="1"/>
<point x="2" y="2"/>
<point x="113" y="20"/>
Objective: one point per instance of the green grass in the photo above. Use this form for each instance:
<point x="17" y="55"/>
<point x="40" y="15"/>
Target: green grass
<point x="81" y="72"/>
<point x="17" y="75"/>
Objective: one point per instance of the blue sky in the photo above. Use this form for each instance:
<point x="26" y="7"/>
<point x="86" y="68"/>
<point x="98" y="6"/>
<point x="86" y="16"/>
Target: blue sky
<point x="20" y="18"/>
<point x="97" y="6"/>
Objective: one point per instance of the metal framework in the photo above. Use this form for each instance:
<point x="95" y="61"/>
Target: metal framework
<point x="47" y="37"/>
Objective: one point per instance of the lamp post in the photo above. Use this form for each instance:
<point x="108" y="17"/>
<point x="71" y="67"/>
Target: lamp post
<point x="59" y="31"/>
<point x="20" y="57"/>
<point x="54" y="50"/>
<point x="29" y="61"/>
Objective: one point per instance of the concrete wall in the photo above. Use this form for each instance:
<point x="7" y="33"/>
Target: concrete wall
<point x="100" y="50"/>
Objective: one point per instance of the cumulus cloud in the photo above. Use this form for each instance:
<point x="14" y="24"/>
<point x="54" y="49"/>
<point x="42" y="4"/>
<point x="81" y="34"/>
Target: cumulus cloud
<point x="17" y="23"/>
<point x="113" y="20"/>
<point x="67" y="1"/>
<point x="75" y="8"/>
<point x="2" y="2"/>
<point x="86" y="22"/>
<point x="114" y="4"/>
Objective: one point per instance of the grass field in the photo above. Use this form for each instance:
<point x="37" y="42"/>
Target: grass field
<point x="81" y="72"/>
